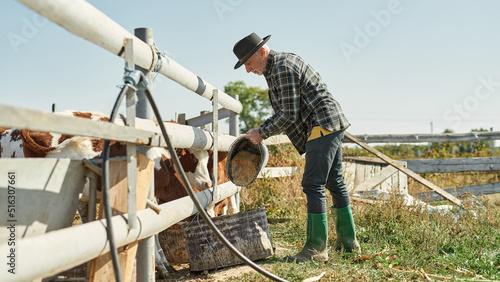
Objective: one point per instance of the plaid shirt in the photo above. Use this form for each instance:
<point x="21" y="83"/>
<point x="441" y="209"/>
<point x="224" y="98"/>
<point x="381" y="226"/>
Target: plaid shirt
<point x="300" y="100"/>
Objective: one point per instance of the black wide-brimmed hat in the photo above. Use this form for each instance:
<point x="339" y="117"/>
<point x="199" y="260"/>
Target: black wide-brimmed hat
<point x="247" y="46"/>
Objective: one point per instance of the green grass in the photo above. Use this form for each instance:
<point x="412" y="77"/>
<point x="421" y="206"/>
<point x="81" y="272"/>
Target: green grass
<point x="399" y="243"/>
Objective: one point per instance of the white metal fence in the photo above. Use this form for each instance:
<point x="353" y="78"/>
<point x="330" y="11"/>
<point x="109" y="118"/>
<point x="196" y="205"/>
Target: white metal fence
<point x="48" y="254"/>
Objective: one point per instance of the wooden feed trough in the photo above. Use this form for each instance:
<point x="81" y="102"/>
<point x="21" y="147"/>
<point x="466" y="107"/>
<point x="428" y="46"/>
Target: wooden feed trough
<point x="194" y="242"/>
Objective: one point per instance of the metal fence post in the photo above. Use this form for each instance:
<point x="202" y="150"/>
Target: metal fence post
<point x="145" y="251"/>
<point x="234" y="130"/>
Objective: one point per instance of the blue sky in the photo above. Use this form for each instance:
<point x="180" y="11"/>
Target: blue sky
<point x="395" y="66"/>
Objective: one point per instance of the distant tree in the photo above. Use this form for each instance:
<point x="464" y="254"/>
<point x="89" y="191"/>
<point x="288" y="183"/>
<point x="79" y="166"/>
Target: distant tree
<point x="480" y="145"/>
<point x="469" y="147"/>
<point x="256" y="105"/>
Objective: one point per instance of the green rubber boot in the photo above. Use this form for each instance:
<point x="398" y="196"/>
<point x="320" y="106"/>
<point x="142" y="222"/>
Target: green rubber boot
<point x="316" y="242"/>
<point x="346" y="234"/>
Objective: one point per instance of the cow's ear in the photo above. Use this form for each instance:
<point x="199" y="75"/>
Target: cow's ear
<point x="180" y="152"/>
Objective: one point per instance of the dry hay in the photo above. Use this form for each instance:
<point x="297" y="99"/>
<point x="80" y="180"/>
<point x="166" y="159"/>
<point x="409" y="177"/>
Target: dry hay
<point x="244" y="167"/>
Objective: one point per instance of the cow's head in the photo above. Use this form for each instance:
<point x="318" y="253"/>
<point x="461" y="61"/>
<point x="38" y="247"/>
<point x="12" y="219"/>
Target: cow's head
<point x="195" y="165"/>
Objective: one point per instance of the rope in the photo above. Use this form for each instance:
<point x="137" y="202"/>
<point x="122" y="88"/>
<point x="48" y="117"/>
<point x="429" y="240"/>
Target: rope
<point x="155" y="58"/>
<point x="197" y="217"/>
<point x="189" y="224"/>
<point x="159" y="60"/>
<point x="211" y="135"/>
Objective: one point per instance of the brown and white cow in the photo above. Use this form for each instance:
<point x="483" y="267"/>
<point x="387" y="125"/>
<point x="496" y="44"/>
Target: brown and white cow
<point x="227" y="205"/>
<point x="15" y="143"/>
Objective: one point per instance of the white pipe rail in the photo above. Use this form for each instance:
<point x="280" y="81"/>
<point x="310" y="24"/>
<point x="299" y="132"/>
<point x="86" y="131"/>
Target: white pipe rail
<point x="54" y="252"/>
<point x="145" y="133"/>
<point x="84" y="20"/>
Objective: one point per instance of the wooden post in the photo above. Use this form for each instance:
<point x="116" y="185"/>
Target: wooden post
<point x="131" y="148"/>
<point x="492" y="144"/>
<point x="102" y="268"/>
<point x="408" y="172"/>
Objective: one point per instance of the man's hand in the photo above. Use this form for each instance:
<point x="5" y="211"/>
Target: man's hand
<point x="254" y="136"/>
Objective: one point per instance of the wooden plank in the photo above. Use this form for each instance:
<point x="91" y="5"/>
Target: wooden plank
<point x="453" y="165"/>
<point x="378" y="178"/>
<point x="363" y="160"/>
<point x="403" y="182"/>
<point x="407" y="138"/>
<point x="377" y="170"/>
<point x="425" y="138"/>
<point x="349" y="169"/>
<point x="360" y="174"/>
<point x="102" y="267"/>
<point x="370" y="172"/>
<point x="391" y="183"/>
<point x="478" y="190"/>
<point x="408" y="172"/>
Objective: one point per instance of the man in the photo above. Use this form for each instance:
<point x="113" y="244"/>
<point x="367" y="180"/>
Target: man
<point x="313" y="120"/>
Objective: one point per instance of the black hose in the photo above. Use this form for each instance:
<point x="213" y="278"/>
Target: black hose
<point x="105" y="190"/>
<point x="191" y="193"/>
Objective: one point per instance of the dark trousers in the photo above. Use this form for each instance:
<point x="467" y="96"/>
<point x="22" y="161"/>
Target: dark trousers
<point x="323" y="169"/>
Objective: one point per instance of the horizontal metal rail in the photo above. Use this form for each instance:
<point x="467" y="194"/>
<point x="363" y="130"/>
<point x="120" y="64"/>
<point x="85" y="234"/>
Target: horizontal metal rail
<point x="208" y="118"/>
<point x="453" y="165"/>
<point x="146" y="133"/>
<point x="56" y="251"/>
<point x="84" y="20"/>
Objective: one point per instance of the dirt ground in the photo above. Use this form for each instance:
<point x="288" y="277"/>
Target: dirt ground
<point x="183" y="274"/>
<point x="223" y="274"/>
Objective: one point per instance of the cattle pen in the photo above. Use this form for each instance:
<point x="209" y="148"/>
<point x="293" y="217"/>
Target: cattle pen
<point x="47" y="254"/>
<point x="50" y="253"/>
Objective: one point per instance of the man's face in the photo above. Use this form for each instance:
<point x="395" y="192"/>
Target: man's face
<point x="256" y="63"/>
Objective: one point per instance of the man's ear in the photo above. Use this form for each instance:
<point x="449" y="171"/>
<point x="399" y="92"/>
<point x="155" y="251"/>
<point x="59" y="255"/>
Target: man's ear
<point x="262" y="52"/>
